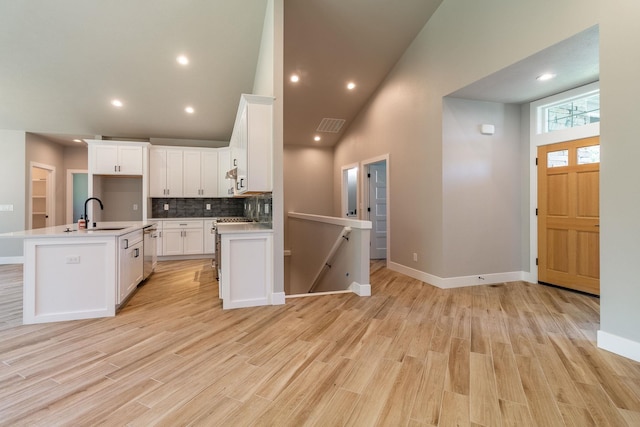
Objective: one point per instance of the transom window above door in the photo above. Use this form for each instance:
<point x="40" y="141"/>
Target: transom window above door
<point x="573" y="112"/>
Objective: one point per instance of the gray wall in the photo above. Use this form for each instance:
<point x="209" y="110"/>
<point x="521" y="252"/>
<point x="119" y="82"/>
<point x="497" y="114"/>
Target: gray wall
<point x="482" y="184"/>
<point x="462" y="43"/>
<point x="41" y="150"/>
<point x="12" y="189"/>
<point x="619" y="173"/>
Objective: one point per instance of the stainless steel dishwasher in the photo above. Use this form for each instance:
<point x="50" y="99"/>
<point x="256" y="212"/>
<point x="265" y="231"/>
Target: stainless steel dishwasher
<point x="150" y="251"/>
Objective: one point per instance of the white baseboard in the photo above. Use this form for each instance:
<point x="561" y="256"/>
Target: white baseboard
<point x="458" y="282"/>
<point x="277" y="298"/>
<point x="11" y="260"/>
<point x="361" y="290"/>
<point x="619" y="345"/>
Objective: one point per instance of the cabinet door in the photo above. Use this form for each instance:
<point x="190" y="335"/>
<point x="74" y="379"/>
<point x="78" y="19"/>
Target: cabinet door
<point x="224" y="165"/>
<point x="172" y="242"/>
<point x="174" y="173"/>
<point x="209" y="173"/>
<point x="136" y="270"/>
<point x="191" y="174"/>
<point x="157" y="173"/>
<point x="130" y="160"/>
<point x="105" y="159"/>
<point x="193" y="241"/>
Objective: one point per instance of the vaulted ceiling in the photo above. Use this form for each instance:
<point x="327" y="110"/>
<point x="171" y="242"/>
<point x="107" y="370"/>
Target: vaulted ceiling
<point x="63" y="63"/>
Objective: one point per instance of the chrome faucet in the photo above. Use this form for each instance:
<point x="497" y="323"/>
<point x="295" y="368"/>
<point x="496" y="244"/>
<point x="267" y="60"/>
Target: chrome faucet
<point x="86" y="218"/>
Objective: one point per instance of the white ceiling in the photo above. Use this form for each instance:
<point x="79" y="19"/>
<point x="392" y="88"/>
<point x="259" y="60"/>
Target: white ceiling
<point x="63" y="62"/>
<point x="575" y="62"/>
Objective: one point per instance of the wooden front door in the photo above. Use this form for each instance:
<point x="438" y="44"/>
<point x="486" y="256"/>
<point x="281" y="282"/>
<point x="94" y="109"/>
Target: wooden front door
<point x="569" y="215"/>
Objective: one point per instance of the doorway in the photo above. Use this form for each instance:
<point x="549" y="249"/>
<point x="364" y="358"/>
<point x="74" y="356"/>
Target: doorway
<point x="377" y="208"/>
<point x="41" y="195"/>
<point x="350" y="195"/>
<point x="568" y="214"/>
<point x="77" y="193"/>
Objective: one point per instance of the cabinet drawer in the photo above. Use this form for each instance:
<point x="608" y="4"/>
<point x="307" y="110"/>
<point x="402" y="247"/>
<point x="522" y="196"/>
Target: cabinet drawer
<point x="176" y="225"/>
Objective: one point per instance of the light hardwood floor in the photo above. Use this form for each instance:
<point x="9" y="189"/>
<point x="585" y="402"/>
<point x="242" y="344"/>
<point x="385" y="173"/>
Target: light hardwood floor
<point x="514" y="354"/>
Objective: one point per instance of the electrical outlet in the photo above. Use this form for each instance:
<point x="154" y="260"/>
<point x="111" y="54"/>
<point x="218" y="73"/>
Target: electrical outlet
<point x="166" y="206"/>
<point x="135" y="206"/>
<point x="73" y="259"/>
<point x="415" y="257"/>
<point x="266" y="208"/>
<point x="208" y="206"/>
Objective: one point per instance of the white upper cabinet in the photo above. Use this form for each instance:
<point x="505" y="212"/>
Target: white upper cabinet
<point x="165" y="172"/>
<point x="116" y="158"/>
<point x="200" y="178"/>
<point x="252" y="145"/>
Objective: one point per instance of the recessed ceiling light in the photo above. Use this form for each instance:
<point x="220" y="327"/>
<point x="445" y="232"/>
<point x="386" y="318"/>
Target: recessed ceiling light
<point x="351" y="85"/>
<point x="182" y="60"/>
<point x="316" y="138"/>
<point x="117" y="103"/>
<point x="77" y="140"/>
<point x="545" y="76"/>
<point x="189" y="110"/>
<point x="294" y="78"/>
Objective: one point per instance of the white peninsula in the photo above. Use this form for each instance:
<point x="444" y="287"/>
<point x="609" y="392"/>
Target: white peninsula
<point x="74" y="274"/>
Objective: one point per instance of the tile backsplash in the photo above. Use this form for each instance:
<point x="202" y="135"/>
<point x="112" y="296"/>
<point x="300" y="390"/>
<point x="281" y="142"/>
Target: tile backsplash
<point x="196" y="207"/>
<point x="259" y="208"/>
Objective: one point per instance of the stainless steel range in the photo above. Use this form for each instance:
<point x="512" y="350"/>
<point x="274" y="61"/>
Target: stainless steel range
<point x="214" y="230"/>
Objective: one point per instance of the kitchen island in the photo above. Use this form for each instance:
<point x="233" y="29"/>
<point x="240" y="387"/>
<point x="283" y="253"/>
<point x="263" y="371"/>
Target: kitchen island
<point x="246" y="265"/>
<point x="74" y="274"/>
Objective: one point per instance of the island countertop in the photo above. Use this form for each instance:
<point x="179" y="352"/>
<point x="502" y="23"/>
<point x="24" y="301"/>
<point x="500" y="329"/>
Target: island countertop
<point x="243" y="227"/>
<point x="103" y="229"/>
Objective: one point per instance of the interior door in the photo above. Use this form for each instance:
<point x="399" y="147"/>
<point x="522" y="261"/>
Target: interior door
<point x="568" y="214"/>
<point x="378" y="209"/>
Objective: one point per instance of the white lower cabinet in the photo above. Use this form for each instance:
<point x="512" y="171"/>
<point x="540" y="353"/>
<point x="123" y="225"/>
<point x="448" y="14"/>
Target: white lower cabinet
<point x="246" y="273"/>
<point x="130" y="264"/>
<point x="182" y="237"/>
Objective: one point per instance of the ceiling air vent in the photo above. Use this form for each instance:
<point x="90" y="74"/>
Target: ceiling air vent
<point x="330" y="125"/>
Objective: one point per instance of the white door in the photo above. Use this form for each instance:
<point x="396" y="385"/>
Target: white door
<point x="378" y="209"/>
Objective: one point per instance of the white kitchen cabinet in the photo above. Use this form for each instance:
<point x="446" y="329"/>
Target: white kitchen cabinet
<point x="130" y="264"/>
<point x="246" y="273"/>
<point x="182" y="237"/>
<point x="200" y="177"/>
<point x="225" y="186"/>
<point x="122" y="158"/>
<point x="252" y="145"/>
<point x="165" y="172"/>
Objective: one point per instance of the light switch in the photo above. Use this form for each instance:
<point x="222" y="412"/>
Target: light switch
<point x="166" y="206"/>
<point x="208" y="207"/>
<point x="135" y="206"/>
<point x="266" y="208"/>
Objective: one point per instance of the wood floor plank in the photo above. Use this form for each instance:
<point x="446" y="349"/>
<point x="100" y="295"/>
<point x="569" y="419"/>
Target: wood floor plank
<point x="511" y="354"/>
<point x="427" y="404"/>
<point x="542" y="404"/>
<point x="455" y="410"/>
<point x="483" y="393"/>
<point x="515" y="414"/>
